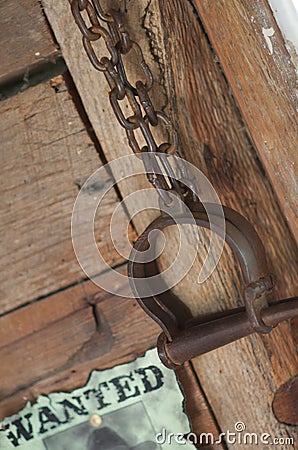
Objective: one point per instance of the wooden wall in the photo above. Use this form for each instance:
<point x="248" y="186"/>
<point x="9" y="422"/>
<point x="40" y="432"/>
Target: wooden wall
<point x="234" y="111"/>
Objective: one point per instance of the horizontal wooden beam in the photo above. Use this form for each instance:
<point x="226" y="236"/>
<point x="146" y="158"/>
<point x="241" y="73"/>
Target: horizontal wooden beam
<point x="27" y="51"/>
<point x="55" y="344"/>
<point x="46" y="156"/>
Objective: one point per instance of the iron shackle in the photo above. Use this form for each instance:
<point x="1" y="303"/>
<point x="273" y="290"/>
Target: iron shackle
<point x="185" y="337"/>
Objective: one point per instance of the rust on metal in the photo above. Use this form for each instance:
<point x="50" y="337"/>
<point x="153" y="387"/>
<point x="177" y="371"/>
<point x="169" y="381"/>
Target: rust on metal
<point x="110" y="26"/>
<point x="182" y="338"/>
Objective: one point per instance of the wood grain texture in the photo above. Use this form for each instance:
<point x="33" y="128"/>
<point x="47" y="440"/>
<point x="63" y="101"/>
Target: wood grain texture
<point x="197" y="408"/>
<point x="55" y="343"/>
<point x="46" y="155"/>
<point x="294" y="328"/>
<point x="264" y="82"/>
<point x="213" y="137"/>
<point x="285" y="402"/>
<point x="26" y="42"/>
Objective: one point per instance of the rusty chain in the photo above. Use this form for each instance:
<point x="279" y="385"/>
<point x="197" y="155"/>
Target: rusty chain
<point x="110" y="26"/>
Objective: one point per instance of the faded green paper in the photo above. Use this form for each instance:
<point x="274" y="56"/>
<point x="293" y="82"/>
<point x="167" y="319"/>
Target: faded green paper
<point x="137" y="406"/>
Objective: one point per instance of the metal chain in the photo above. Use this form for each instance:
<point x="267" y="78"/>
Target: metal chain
<point x="95" y="23"/>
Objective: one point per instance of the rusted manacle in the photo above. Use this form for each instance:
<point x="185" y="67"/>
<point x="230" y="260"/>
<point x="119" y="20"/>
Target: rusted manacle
<point x="184" y="337"/>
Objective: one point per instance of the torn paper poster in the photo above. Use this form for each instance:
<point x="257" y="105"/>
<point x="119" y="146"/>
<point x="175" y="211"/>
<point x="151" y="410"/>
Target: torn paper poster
<point x="130" y="407"/>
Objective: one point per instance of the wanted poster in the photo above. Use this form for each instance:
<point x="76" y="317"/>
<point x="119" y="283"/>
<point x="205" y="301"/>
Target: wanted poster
<point x="134" y="406"/>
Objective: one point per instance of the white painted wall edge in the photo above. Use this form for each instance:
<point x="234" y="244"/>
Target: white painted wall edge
<point x="286" y="15"/>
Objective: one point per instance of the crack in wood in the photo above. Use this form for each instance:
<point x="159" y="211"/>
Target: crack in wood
<point x="149" y="24"/>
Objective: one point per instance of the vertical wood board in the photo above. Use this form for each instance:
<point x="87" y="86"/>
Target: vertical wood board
<point x="263" y="78"/>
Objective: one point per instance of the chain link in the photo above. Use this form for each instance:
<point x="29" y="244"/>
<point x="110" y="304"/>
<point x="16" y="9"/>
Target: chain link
<point x="94" y="24"/>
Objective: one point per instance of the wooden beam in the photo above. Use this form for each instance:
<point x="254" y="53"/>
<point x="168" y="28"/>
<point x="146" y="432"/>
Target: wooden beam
<point x="27" y="48"/>
<point x="46" y="155"/>
<point x="264" y="82"/>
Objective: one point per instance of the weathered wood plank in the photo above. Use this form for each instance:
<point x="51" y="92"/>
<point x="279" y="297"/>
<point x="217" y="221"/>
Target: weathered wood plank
<point x="26" y="43"/>
<point x="197" y="408"/>
<point x="264" y="82"/>
<point x="205" y="112"/>
<point x="252" y="366"/>
<point x="45" y="156"/>
<point x="56" y="344"/>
